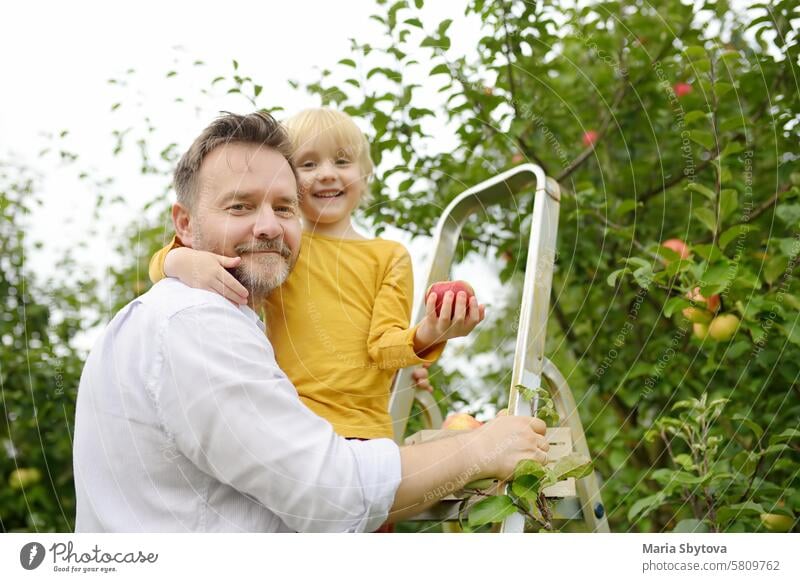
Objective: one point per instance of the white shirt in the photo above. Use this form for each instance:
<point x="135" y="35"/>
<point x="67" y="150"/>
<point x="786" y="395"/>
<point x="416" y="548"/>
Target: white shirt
<point x="185" y="422"/>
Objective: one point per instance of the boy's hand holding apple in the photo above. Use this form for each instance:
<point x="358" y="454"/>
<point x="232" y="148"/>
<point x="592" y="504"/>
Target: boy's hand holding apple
<point x="451" y="310"/>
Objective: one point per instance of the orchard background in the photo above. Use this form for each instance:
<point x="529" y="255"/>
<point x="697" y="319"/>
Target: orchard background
<point x="659" y="121"/>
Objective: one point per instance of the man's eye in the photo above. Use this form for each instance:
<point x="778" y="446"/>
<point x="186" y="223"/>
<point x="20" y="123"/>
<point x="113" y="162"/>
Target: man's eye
<point x="285" y="210"/>
<point x="237" y="207"/>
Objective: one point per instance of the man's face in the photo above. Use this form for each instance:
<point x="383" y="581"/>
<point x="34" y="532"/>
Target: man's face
<point x="247" y="206"/>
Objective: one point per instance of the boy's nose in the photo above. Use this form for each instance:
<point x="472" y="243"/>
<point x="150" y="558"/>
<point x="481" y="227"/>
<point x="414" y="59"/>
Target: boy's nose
<point x="326" y="171"/>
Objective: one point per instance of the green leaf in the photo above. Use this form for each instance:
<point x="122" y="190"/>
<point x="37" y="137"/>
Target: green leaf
<point x="707" y="217"/>
<point x="757" y="430"/>
<point x="728" y="202"/>
<point x="675" y="304"/>
<point x="691" y="526"/>
<point x="732" y="233"/>
<point x="413" y="22"/>
<point x="440" y="69"/>
<point x="527" y="487"/>
<point x="787" y="435"/>
<point x="645" y="505"/>
<point x="704" y="190"/>
<point x="704" y="138"/>
<point x="775" y="267"/>
<point x="694" y="116"/>
<point x="614" y="277"/>
<point x="348" y="62"/>
<point x="694" y="53"/>
<point x="573" y="465"/>
<point x="788" y="213"/>
<point x="480" y="484"/>
<point x="529" y="467"/>
<point x="721" y="88"/>
<point x="257" y="90"/>
<point x="733" y="147"/>
<point x="731" y="512"/>
<point x="491" y="510"/>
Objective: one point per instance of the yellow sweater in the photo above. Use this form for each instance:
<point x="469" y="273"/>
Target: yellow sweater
<point x="339" y="328"/>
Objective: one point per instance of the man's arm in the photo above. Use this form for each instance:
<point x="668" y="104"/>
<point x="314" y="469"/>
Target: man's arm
<point x="432" y="470"/>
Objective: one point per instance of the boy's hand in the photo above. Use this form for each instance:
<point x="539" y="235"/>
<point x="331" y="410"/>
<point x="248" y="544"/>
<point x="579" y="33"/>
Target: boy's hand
<point x="420" y="377"/>
<point x="436" y="329"/>
<point x="205" y="270"/>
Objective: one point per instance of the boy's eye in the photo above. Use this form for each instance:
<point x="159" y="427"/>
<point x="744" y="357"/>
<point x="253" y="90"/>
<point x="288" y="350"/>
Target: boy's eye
<point x="307" y="165"/>
<point x="342" y="161"/>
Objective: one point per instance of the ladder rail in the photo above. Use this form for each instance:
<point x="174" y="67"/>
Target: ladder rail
<point x="495" y="190"/>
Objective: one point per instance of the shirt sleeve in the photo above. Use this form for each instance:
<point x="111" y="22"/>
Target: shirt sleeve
<point x="391" y="341"/>
<point x="156" y="269"/>
<point x="237" y="417"/>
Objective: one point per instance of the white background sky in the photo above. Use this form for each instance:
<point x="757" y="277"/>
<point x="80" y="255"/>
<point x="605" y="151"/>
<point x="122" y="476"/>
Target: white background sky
<point x="56" y="59"/>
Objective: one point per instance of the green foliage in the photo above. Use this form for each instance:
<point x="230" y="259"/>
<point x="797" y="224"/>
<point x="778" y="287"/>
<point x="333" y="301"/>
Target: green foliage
<point x="39" y="372"/>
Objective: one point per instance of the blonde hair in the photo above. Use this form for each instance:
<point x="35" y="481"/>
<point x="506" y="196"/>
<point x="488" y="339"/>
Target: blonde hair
<point x="336" y="126"/>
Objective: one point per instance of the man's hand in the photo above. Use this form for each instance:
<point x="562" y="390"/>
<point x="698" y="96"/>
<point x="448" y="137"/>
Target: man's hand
<point x="205" y="270"/>
<point x="507" y="440"/>
<point x="437" y="329"/>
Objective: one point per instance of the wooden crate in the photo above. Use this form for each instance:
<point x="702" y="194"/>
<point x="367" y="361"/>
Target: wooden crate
<point x="559" y="439"/>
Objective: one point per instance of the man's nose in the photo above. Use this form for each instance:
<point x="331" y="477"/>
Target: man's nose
<point x="267" y="224"/>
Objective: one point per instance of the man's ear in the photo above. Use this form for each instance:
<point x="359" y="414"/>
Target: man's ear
<point x="182" y="220"/>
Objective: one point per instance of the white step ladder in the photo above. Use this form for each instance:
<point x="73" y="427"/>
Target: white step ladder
<point x="531" y="368"/>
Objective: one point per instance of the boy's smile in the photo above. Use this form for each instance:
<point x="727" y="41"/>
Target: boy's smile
<point x="331" y="185"/>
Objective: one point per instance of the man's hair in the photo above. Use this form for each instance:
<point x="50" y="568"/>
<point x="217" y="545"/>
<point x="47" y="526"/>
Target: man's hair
<point x="259" y="128"/>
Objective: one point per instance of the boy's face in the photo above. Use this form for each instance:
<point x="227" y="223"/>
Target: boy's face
<point x="330" y="180"/>
<point x="247" y="206"/>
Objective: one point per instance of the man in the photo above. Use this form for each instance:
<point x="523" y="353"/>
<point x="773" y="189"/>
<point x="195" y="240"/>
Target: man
<point x="185" y="422"/>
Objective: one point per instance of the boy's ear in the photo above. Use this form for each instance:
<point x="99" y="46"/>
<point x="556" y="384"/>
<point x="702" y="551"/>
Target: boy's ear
<point x="182" y="220"/>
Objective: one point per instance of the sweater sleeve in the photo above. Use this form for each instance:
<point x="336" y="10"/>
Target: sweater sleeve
<point x="391" y="341"/>
<point x="156" y="268"/>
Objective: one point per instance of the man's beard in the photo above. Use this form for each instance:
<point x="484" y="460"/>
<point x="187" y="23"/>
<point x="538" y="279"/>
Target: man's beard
<point x="261" y="271"/>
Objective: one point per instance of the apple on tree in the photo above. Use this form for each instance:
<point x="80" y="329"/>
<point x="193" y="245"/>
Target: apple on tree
<point x="677" y="246"/>
<point x="703" y="313"/>
<point x="723" y="327"/>
<point x="590" y="137"/>
<point x="682" y="89"/>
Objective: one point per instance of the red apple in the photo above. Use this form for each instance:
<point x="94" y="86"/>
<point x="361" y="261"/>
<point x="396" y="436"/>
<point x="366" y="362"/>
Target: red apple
<point x="461" y="421"/>
<point x="678" y="246"/>
<point x="589" y="137"/>
<point x="682" y="89"/>
<point x="712" y="303"/>
<point x="723" y="327"/>
<point x="443" y="287"/>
